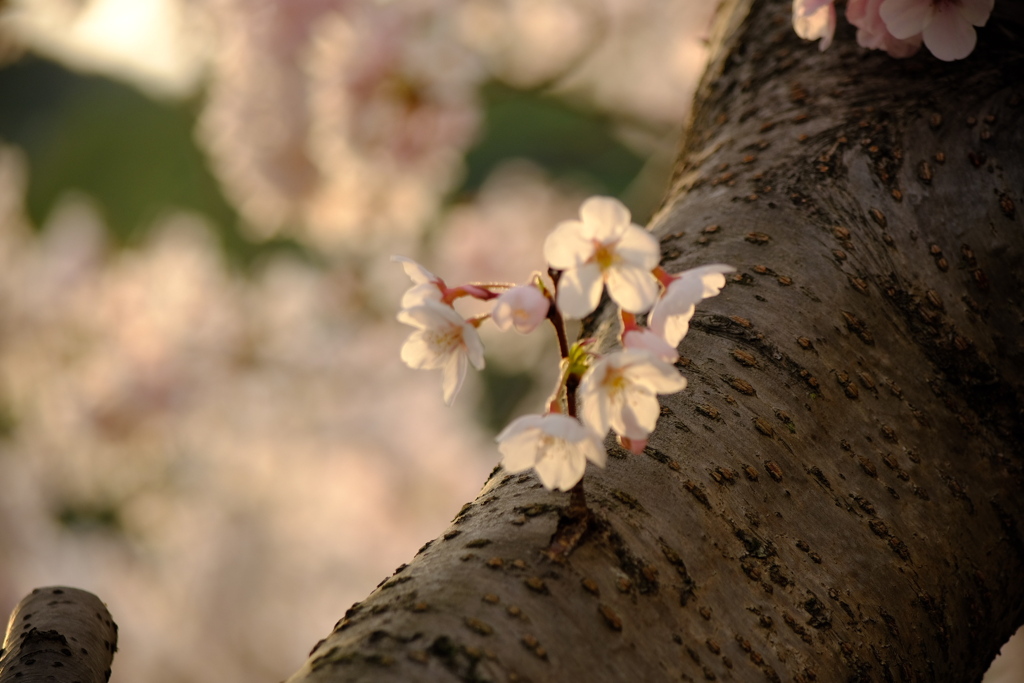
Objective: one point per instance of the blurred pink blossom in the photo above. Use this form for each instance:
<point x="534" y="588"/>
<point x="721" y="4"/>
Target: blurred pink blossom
<point x="872" y="32"/>
<point x="947" y="26"/>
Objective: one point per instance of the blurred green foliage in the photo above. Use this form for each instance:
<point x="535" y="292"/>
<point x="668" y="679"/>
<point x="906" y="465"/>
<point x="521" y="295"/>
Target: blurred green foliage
<point x="138" y="159"/>
<point x="503" y="392"/>
<point x="86" y="516"/>
<point x="135" y="156"/>
<point x="569" y="142"/>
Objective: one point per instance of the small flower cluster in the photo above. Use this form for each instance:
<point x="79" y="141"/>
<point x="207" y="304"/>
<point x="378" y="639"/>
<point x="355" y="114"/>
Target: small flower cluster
<point x="899" y="26"/>
<point x="602" y="251"/>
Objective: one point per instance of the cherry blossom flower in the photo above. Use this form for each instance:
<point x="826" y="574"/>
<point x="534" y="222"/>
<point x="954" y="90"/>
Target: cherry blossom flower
<point x="621" y="390"/>
<point x="556" y="446"/>
<point x="813" y="19"/>
<point x="670" y="317"/>
<point x="947" y="26"/>
<point x="872" y="32"/>
<point x="603" y="248"/>
<point x="426" y="285"/>
<point x="523" y="307"/>
<point x="443" y="339"/>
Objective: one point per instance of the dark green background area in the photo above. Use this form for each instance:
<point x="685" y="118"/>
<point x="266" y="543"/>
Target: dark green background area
<point x="138" y="159"/>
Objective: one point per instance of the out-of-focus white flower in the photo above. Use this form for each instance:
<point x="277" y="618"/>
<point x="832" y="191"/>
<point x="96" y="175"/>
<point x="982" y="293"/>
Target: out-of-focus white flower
<point x="813" y="19"/>
<point x="443" y="339"/>
<point x="670" y="317"/>
<point x="947" y="26"/>
<point x="603" y="248"/>
<point x="425" y="285"/>
<point x="645" y="339"/>
<point x="523" y="307"/>
<point x="556" y="446"/>
<point x="621" y="390"/>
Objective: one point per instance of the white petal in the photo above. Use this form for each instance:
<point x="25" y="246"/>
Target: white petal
<point x="595" y="408"/>
<point x="474" y="346"/>
<point x="562" y="427"/>
<point x="519" y="425"/>
<point x="579" y="290"/>
<point x="670" y="325"/>
<point x="454" y="375"/>
<point x="646" y="339"/>
<point x="417" y="316"/>
<point x="419" y="294"/>
<point x="567" y="246"/>
<point x="605" y="218"/>
<point x="949" y="35"/>
<point x="560" y="465"/>
<point x="711" y="277"/>
<point x="905" y="18"/>
<point x="593" y="450"/>
<point x="813" y="19"/>
<point x="977" y="11"/>
<point x="644" y="369"/>
<point x="430" y="314"/>
<point x="638" y="247"/>
<point x="419" y="354"/>
<point x="638" y="415"/>
<point x="632" y="288"/>
<point x="417" y="273"/>
<point x="519" y="453"/>
<point x="806" y="8"/>
<point x="670" y="317"/>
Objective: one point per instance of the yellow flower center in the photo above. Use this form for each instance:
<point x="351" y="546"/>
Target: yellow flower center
<point x="604" y="254"/>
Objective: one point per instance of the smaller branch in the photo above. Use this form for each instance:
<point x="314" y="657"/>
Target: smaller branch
<point x="555" y="316"/>
<point x="58" y="634"/>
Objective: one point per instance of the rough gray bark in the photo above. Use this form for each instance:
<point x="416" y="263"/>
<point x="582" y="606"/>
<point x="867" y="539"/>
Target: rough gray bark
<point x="58" y="634"/>
<point x="837" y="496"/>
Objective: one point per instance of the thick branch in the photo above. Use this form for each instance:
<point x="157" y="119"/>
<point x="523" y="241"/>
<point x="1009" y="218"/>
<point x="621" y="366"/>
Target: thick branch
<point x="58" y="634"/>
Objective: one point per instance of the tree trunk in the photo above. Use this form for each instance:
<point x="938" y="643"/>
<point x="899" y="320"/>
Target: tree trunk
<point x="837" y="496"/>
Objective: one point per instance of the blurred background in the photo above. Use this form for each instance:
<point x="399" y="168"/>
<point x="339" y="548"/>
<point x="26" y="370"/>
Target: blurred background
<point x="200" y="384"/>
<point x="199" y="372"/>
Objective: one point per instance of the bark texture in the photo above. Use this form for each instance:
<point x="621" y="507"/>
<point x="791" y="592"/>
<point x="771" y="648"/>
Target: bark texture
<point x="837" y="495"/>
<point x="58" y="634"/>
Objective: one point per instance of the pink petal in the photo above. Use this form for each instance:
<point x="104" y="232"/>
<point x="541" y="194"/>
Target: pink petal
<point x="904" y="18"/>
<point x="977" y="11"/>
<point x="949" y="36"/>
